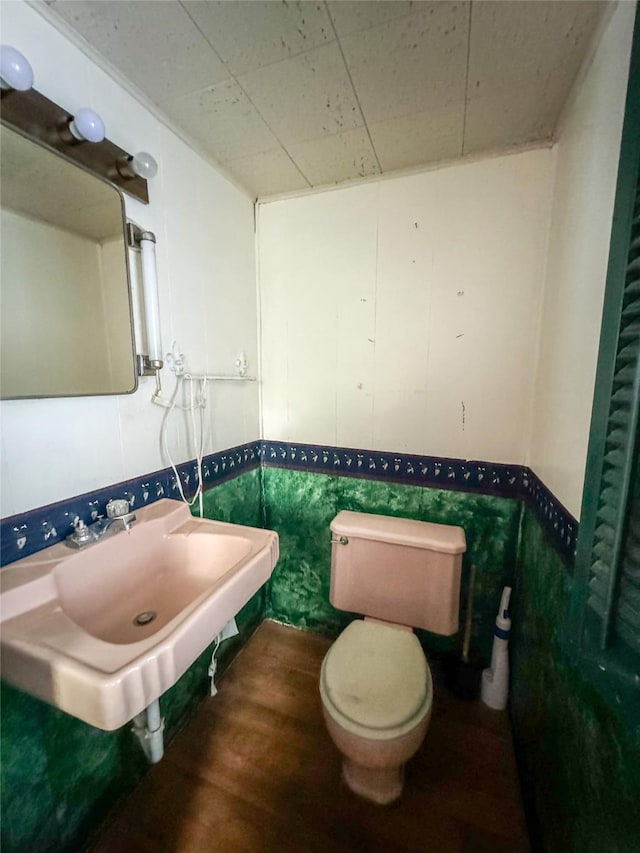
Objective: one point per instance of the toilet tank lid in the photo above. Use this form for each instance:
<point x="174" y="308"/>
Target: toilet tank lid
<point x="443" y="538"/>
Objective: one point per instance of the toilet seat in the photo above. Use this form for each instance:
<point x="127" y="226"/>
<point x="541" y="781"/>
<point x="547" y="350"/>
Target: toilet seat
<point x="375" y="681"/>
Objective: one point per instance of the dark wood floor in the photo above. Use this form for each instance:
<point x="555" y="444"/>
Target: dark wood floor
<point x="256" y="771"/>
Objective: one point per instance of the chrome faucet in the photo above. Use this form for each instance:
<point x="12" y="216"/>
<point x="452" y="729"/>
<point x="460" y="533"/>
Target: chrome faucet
<point x="119" y="517"/>
<point x="108" y="526"/>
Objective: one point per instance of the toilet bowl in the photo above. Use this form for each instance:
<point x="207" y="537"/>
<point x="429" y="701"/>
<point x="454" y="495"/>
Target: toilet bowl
<point x="375" y="682"/>
<point x="376" y="693"/>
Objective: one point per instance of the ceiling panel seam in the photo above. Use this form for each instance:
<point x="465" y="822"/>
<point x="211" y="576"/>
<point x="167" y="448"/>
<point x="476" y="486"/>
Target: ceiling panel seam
<point x="396" y="16"/>
<point x="246" y="94"/>
<point x="466" y="83"/>
<point x="291" y="55"/>
<point x="353" y="88"/>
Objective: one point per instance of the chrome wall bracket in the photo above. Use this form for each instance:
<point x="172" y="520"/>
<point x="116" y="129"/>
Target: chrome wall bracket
<point x="135" y="236"/>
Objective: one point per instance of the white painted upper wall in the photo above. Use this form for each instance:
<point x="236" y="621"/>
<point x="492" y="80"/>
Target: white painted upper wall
<point x="586" y="164"/>
<point x="402" y="315"/>
<point x="57" y="448"/>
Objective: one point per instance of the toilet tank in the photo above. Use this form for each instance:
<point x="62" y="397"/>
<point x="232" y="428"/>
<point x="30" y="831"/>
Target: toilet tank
<point x="397" y="569"/>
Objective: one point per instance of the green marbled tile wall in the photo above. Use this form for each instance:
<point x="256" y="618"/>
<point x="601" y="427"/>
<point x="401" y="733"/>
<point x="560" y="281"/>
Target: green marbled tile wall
<point x="28" y="818"/>
<point x="238" y="501"/>
<point x="59" y="777"/>
<point x="580" y="763"/>
<point x="301" y="505"/>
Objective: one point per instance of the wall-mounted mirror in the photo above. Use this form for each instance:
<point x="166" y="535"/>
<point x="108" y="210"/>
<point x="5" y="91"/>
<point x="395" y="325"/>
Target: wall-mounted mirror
<point x="65" y="308"/>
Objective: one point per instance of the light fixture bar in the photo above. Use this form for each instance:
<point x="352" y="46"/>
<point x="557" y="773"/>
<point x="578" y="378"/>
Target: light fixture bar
<point x="35" y="116"/>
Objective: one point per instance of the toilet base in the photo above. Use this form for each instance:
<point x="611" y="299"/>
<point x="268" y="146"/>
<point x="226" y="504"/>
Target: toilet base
<point x="374" y="769"/>
<point x="381" y="785"/>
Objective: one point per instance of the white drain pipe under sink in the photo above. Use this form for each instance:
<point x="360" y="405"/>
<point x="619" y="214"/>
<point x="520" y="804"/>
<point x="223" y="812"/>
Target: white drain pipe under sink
<point x="149" y="729"/>
<point x="148" y="725"/>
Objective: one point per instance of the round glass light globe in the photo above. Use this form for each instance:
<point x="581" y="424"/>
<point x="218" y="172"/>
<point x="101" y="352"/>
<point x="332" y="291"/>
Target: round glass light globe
<point x="15" y="70"/>
<point x="144" y="165"/>
<point x="87" y="124"/>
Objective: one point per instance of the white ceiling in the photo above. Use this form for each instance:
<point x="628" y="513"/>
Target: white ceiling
<point x="292" y="95"/>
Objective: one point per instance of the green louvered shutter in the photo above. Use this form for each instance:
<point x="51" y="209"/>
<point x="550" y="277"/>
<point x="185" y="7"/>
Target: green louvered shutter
<point x="626" y="621"/>
<point x="607" y="601"/>
<point x="614" y="581"/>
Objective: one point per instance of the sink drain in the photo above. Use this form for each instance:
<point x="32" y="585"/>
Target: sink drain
<point x="144" y="618"/>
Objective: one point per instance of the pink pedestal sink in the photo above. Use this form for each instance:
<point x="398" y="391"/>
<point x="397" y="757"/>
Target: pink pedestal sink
<point x="103" y="631"/>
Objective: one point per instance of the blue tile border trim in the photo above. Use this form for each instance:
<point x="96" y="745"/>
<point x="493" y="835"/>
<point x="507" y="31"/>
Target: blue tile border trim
<point x="435" y="472"/>
<point x="487" y="478"/>
<point x="557" y="522"/>
<point x="29" y="532"/>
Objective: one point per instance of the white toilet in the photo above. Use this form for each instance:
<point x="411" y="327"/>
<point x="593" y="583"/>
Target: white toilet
<point x="375" y="682"/>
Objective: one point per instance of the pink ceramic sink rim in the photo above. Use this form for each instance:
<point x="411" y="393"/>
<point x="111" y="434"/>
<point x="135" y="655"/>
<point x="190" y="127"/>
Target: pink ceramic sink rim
<point x="67" y="617"/>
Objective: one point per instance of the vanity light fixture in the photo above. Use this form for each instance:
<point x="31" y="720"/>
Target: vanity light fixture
<point x="86" y="125"/>
<point x="151" y="302"/>
<point x="145" y="242"/>
<point x="33" y="115"/>
<point x="142" y="164"/>
<point x="15" y="70"/>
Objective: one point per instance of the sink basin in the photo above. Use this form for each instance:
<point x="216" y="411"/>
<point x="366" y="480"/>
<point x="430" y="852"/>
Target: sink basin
<point x="103" y="631"/>
<point x="173" y="572"/>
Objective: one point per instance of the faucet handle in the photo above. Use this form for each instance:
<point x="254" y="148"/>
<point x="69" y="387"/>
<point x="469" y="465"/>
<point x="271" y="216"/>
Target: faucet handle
<point x="81" y="531"/>
<point x="81" y="534"/>
<point x="118" y="508"/>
